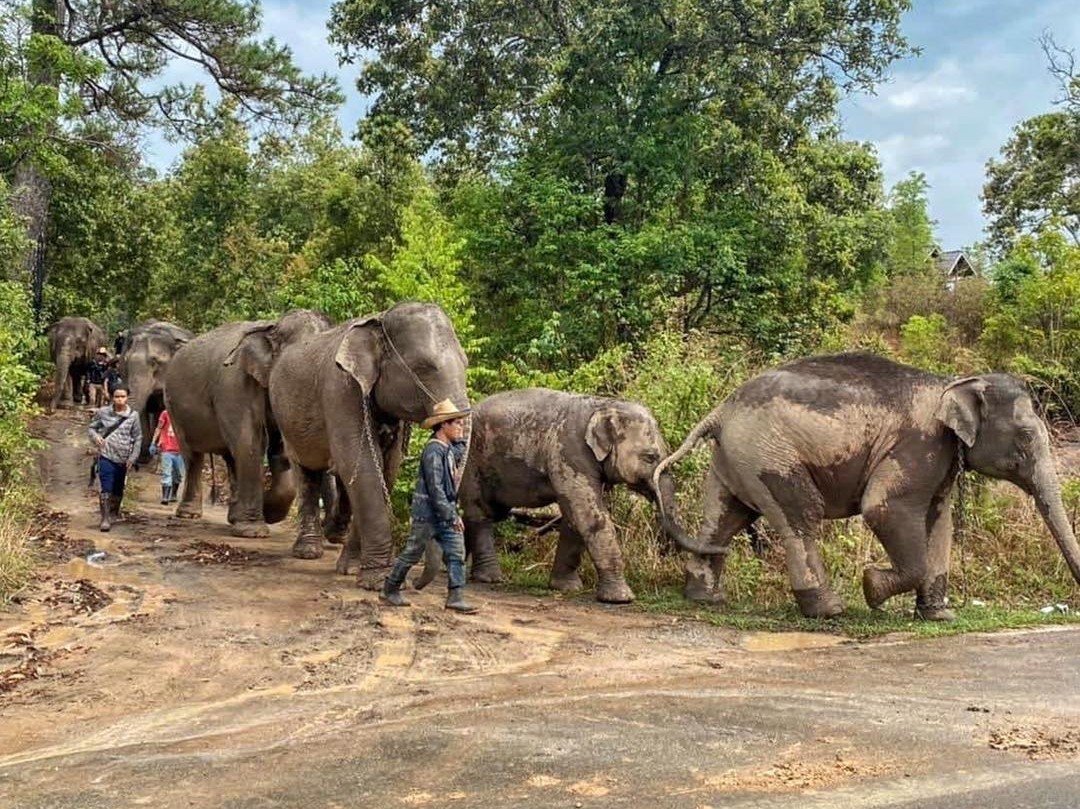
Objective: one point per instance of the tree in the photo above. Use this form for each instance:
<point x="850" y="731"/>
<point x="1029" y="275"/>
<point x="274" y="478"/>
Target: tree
<point x="102" y="61"/>
<point x="912" y="236"/>
<point x="1036" y="182"/>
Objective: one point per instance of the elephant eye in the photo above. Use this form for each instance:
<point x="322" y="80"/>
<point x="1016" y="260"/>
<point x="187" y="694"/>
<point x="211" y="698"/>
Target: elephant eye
<point x="650" y="456"/>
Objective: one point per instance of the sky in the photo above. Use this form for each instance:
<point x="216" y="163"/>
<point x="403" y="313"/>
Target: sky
<point x="945" y="112"/>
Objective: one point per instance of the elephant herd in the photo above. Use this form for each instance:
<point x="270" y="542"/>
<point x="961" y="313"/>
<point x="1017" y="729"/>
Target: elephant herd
<point x="329" y="408"/>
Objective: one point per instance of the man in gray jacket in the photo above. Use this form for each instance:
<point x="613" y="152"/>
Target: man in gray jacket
<point x="117" y="436"/>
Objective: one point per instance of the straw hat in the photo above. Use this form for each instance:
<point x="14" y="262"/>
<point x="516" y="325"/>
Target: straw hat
<point x="443" y="411"/>
<point x="103" y="350"/>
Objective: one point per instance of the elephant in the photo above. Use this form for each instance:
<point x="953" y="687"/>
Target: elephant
<point x="73" y="342"/>
<point x="344" y="401"/>
<point x="833" y="436"/>
<point x="536" y="447"/>
<point x="216" y="392"/>
<point x="148" y="351"/>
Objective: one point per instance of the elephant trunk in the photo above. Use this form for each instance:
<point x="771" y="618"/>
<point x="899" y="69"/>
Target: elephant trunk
<point x="60" y="378"/>
<point x="279" y="498"/>
<point x="669" y="523"/>
<point x="1047" y="493"/>
<point x="700" y="431"/>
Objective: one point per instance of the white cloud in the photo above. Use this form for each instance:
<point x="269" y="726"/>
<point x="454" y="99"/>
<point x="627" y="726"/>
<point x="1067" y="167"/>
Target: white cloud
<point x="945" y="86"/>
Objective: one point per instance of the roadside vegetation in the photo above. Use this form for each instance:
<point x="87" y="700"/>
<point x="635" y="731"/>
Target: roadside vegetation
<point x="665" y="207"/>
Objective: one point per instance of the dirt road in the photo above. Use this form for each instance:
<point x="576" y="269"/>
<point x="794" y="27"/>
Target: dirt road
<point x="188" y="669"/>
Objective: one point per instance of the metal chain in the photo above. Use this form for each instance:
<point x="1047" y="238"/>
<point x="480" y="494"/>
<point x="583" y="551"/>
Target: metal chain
<point x="410" y="371"/>
<point x="376" y="454"/>
<point x="961" y="524"/>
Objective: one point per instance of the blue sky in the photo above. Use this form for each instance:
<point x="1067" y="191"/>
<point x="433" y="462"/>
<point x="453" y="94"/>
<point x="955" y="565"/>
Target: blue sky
<point x="944" y="113"/>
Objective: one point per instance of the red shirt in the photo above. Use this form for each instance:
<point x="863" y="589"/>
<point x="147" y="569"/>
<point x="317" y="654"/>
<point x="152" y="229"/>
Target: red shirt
<point x="167" y="441"/>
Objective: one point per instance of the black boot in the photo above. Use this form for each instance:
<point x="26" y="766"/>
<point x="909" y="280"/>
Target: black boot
<point x="103" y="502"/>
<point x="173" y="492"/>
<point x="391" y="594"/>
<point x="165" y="492"/>
<point x="456" y="601"/>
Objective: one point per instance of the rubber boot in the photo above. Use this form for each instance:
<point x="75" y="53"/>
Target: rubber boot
<point x="390" y="594"/>
<point x="173" y="492"/>
<point x="114" y="503"/>
<point x="456" y="601"/>
<point x="103" y="502"/>
<point x="166" y="491"/>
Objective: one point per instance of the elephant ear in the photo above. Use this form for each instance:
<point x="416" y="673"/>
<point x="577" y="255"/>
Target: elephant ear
<point x="600" y="434"/>
<point x="254" y="352"/>
<point x="961" y="407"/>
<point x="358" y="352"/>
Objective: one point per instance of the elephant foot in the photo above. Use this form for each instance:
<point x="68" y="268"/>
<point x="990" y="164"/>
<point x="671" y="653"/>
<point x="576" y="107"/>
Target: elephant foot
<point x="188" y="512"/>
<point x="489" y="573"/>
<point x="308" y="546"/>
<point x="697" y="589"/>
<point x="334" y="533"/>
<point x="371" y="578"/>
<point x="927" y="613"/>
<point x="614" y="591"/>
<point x="819" y="602"/>
<point x="250" y="530"/>
<point x="346" y="560"/>
<point x="566" y="582"/>
<point x="877" y="586"/>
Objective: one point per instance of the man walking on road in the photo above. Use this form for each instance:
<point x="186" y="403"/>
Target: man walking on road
<point x="95" y="375"/>
<point x="434" y="510"/>
<point x="117" y="436"/>
<point x="172" y="462"/>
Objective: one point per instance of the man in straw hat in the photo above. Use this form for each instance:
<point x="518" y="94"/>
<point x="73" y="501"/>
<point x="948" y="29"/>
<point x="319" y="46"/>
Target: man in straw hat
<point x="434" y="509"/>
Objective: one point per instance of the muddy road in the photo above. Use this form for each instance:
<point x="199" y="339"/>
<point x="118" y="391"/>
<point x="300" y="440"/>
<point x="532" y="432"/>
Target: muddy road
<point x="189" y="669"/>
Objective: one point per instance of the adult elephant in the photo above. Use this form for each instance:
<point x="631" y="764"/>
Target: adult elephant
<point x="73" y="342"/>
<point x="531" y="448"/>
<point x="834" y="436"/>
<point x="344" y="400"/>
<point x="148" y="351"/>
<point x="216" y="391"/>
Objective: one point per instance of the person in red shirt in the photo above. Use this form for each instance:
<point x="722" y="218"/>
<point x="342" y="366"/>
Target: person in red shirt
<point x="172" y="462"/>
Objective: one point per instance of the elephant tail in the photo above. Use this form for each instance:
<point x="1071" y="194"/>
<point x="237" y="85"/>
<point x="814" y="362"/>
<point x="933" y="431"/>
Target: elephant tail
<point x="703" y="429"/>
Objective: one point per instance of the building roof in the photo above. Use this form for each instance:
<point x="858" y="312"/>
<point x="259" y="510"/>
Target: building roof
<point x="952" y="263"/>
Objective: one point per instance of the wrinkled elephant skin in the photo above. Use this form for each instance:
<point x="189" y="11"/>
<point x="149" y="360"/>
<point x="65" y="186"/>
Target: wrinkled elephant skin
<point x="216" y="391"/>
<point x="835" y="436"/>
<point x="148" y="351"/>
<point x="73" y="342"/>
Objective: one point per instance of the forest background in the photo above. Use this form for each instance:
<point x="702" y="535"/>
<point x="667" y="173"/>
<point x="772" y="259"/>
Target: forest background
<point x="650" y="200"/>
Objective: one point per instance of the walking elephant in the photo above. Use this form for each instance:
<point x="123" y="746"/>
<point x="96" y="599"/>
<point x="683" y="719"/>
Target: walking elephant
<point x="148" y="350"/>
<point x="834" y="436"/>
<point x="73" y="342"/>
<point x="344" y="400"/>
<point x="216" y="393"/>
<point x="532" y="448"/>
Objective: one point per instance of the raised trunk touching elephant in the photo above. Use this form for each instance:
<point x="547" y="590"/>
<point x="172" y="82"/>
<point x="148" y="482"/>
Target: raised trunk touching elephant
<point x="343" y="401"/>
<point x="73" y="342"/>
<point x="533" y="448"/>
<point x="148" y="351"/>
<point x="216" y="391"/>
<point x="834" y="436"/>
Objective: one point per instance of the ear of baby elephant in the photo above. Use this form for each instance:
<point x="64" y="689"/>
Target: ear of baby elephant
<point x="600" y="432"/>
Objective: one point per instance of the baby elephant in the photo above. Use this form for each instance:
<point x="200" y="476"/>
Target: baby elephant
<point x="532" y="448"/>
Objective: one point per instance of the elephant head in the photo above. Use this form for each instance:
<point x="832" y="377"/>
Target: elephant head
<point x="406" y="360"/>
<point x="626" y="440"/>
<point x="255" y="353"/>
<point x="149" y="349"/>
<point x="1003" y="437"/>
<point x="73" y="341"/>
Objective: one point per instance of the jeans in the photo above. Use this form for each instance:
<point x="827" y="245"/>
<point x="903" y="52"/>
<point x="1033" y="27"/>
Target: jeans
<point x="172" y="468"/>
<point x="450" y="540"/>
<point x="112" y="476"/>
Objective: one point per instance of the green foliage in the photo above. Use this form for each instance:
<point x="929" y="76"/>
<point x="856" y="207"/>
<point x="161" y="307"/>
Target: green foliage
<point x="925" y="342"/>
<point x="912" y="236"/>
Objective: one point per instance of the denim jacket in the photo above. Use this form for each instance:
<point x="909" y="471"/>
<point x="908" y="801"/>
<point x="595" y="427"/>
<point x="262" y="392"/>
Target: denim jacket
<point x="435" y="497"/>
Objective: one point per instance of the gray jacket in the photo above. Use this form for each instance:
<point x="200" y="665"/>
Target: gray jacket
<point x="125" y="442"/>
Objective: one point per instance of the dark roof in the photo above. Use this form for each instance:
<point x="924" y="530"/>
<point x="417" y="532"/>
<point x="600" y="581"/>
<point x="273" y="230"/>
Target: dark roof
<point x="952" y="262"/>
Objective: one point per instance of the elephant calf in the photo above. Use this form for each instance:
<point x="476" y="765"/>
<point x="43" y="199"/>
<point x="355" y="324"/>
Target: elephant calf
<point x="532" y="448"/>
<point x="834" y="436"/>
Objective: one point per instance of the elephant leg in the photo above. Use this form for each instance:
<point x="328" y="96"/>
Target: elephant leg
<point x="565" y="575"/>
<point x="277" y="501"/>
<point x="336" y="511"/>
<point x="191" y="501"/>
<point x="582" y="504"/>
<point x="245" y="501"/>
<point x="480" y="542"/>
<point x="230" y="468"/>
<point x="795" y="509"/>
<point x="725" y="516"/>
<point x="899" y="522"/>
<point x="932" y="596"/>
<point x="308" y="543"/>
